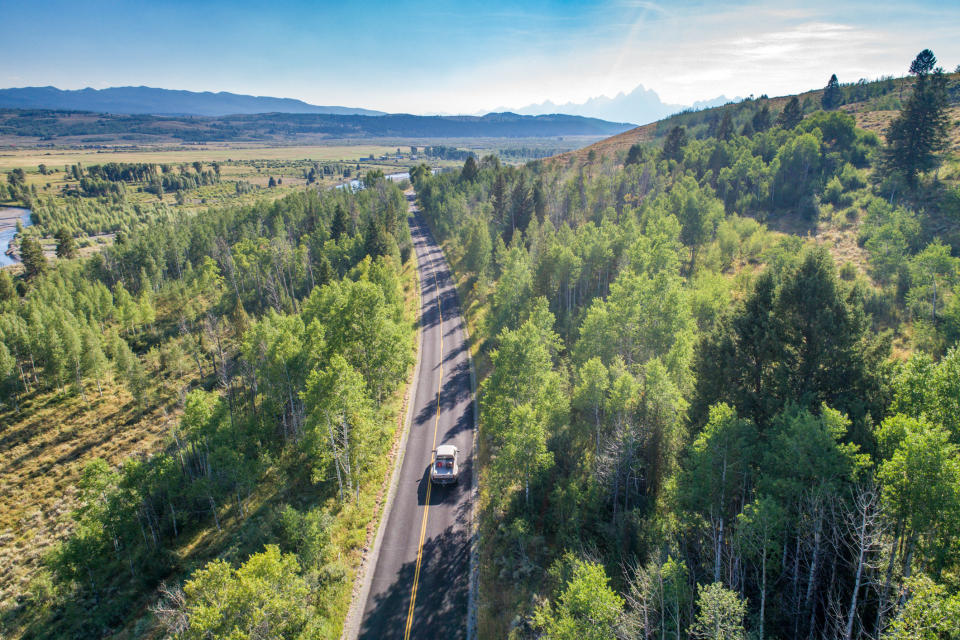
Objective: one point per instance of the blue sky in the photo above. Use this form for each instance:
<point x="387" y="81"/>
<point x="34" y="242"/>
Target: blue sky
<point x="464" y="57"/>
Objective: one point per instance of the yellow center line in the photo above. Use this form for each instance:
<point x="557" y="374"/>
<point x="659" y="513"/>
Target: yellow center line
<point x="426" y="506"/>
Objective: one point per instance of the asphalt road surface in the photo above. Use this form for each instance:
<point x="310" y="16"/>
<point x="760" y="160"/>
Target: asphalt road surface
<point x="420" y="584"/>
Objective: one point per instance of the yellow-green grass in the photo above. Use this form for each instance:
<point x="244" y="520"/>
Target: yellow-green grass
<point x="56" y="158"/>
<point x="43" y="449"/>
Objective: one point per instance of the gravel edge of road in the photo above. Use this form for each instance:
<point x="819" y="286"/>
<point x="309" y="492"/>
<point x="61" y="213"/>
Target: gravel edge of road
<point x="351" y="626"/>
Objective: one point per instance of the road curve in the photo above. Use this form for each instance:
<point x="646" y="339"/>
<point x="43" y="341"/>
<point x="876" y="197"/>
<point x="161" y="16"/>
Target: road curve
<point x="420" y="582"/>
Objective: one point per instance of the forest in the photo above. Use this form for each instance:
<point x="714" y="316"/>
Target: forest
<point x="719" y="380"/>
<point x="273" y="341"/>
<point x="695" y="421"/>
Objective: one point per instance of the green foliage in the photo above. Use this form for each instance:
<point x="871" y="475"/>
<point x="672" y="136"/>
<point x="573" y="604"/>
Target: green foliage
<point x="720" y="614"/>
<point x="586" y="609"/>
<point x="675" y="142"/>
<point x="919" y="132"/>
<point x="791" y="115"/>
<point x="803" y="339"/>
<point x="276" y="363"/>
<point x="264" y="596"/>
<point x="832" y="94"/>
<point x="31" y="253"/>
<point x="930" y="612"/>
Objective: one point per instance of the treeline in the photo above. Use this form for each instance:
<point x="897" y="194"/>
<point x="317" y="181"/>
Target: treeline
<point x="693" y="426"/>
<point x="110" y="178"/>
<point x="284" y="328"/>
<point x="77" y="215"/>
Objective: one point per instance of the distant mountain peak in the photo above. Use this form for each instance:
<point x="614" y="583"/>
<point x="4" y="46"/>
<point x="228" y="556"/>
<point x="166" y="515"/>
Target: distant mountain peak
<point x="641" y="106"/>
<point x="155" y="101"/>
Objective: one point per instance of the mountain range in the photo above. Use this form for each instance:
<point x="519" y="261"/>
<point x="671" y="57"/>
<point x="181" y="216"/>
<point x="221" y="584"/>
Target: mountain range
<point x="74" y="126"/>
<point x="640" y="106"/>
<point x="153" y="101"/>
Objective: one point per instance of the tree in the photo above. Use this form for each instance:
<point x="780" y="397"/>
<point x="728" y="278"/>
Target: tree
<point x="17" y="177"/>
<point x="699" y="212"/>
<point x="470" y="169"/>
<point x="634" y="155"/>
<point x="720" y="614"/>
<point x="524" y="453"/>
<point x="66" y="247"/>
<point x="267" y="597"/>
<point x="761" y="119"/>
<point x="804" y="339"/>
<point x="725" y="129"/>
<point x="340" y="418"/>
<point x="477" y="247"/>
<point x="499" y="194"/>
<point x="717" y="473"/>
<point x="31" y="253"/>
<point x="7" y="290"/>
<point x="8" y="380"/>
<point x="376" y="239"/>
<point x="758" y="533"/>
<point x="587" y="608"/>
<point x="791" y="115"/>
<point x="920" y="131"/>
<point x="832" y="94"/>
<point x="923" y="64"/>
<point x="921" y="489"/>
<point x="338" y="226"/>
<point x="929" y="613"/>
<point x="674" y="144"/>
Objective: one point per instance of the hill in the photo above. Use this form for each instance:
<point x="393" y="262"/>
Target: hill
<point x="151" y="100"/>
<point x="23" y="125"/>
<point x="873" y="104"/>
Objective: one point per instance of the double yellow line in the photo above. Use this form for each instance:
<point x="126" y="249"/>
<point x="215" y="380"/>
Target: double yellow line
<point x="426" y="506"/>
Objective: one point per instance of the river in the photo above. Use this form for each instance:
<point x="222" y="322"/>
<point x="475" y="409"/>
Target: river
<point x="8" y="229"/>
<point x="394" y="177"/>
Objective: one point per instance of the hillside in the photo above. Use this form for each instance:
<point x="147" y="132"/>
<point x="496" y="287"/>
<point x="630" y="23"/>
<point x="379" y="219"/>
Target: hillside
<point x="718" y="377"/>
<point x="24" y="127"/>
<point x="873" y="104"/>
<point x="151" y="100"/>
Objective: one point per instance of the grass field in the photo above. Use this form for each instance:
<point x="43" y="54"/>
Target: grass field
<point x="56" y="158"/>
<point x="43" y="449"/>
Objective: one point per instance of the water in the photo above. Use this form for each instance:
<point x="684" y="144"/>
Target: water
<point x="393" y="177"/>
<point x="9" y="214"/>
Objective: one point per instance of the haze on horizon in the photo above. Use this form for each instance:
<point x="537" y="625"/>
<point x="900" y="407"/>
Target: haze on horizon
<point x="446" y="58"/>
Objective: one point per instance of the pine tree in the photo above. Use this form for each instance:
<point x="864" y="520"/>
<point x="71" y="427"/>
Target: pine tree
<point x="66" y="247"/>
<point x="470" y="170"/>
<point x="832" y="94"/>
<point x="31" y="253"/>
<point x="500" y="198"/>
<point x="634" y="155"/>
<point x="791" y="115"/>
<point x="725" y="128"/>
<point x="919" y="132"/>
<point x="674" y="144"/>
<point x="761" y="119"/>
<point x="339" y="225"/>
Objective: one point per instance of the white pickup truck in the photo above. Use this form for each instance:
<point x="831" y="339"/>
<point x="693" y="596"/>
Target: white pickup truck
<point x="445" y="468"/>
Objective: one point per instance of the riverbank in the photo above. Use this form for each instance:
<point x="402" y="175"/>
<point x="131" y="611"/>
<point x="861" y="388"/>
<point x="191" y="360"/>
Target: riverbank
<point x="9" y="216"/>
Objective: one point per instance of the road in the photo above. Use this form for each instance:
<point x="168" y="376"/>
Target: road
<point x="420" y="582"/>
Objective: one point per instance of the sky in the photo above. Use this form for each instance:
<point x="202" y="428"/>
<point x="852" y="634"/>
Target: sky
<point x="467" y="56"/>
